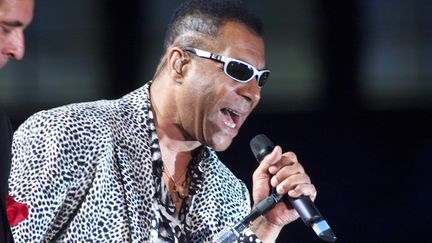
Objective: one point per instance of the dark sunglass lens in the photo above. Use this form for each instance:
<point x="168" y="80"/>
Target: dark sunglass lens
<point x="239" y="71"/>
<point x="263" y="79"/>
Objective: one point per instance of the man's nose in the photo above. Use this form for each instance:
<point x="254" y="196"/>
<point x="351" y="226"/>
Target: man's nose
<point x="250" y="91"/>
<point x="15" y="46"/>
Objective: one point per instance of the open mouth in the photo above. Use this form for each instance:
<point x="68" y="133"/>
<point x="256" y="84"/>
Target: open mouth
<point x="233" y="117"/>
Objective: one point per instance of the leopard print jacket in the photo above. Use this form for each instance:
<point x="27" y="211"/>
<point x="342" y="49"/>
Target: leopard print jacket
<point x="89" y="173"/>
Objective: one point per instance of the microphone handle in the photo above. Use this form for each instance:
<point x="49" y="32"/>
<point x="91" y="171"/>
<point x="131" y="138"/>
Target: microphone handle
<point x="261" y="208"/>
<point x="230" y="234"/>
<point x="304" y="206"/>
<point x="306" y="209"/>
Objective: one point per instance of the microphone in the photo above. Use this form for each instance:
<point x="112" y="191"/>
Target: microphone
<point x="261" y="146"/>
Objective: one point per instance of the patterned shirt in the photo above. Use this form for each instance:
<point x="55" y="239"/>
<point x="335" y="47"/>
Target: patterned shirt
<point x="93" y="172"/>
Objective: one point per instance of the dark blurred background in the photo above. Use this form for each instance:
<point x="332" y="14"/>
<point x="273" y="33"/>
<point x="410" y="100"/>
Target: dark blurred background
<point x="350" y="93"/>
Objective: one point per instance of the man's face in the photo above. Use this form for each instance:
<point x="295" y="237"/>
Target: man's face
<point x="213" y="105"/>
<point x="15" y="15"/>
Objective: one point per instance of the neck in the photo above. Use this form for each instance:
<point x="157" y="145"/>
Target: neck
<point x="176" y="148"/>
<point x="176" y="154"/>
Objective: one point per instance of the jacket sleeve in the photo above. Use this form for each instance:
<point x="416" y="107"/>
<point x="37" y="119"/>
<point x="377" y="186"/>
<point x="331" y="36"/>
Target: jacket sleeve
<point x="52" y="169"/>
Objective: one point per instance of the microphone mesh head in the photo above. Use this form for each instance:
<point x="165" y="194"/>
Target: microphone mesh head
<point x="261" y="146"/>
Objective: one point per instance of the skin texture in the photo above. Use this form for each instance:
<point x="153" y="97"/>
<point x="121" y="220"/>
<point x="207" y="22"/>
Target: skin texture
<point x="15" y="16"/>
<point x="188" y="99"/>
<point x="213" y="91"/>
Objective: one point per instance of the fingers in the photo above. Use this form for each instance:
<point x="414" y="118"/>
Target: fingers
<point x="285" y="174"/>
<point x="261" y="176"/>
<point x="304" y="189"/>
<point x="289" y="183"/>
<point x="268" y="161"/>
<point x="289" y="177"/>
<point x="288" y="158"/>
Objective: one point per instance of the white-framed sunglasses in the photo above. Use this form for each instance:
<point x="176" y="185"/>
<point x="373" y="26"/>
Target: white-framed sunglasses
<point x="238" y="70"/>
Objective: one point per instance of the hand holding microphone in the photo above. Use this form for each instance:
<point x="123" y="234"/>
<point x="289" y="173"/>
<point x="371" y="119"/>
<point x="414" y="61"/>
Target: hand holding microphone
<point x="285" y="174"/>
<point x="295" y="177"/>
<point x="288" y="176"/>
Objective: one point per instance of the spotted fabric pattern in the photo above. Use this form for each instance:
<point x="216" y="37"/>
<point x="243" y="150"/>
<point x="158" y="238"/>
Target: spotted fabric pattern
<point x="90" y="172"/>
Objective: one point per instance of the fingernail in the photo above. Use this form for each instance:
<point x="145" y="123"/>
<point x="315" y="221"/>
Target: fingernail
<point x="272" y="169"/>
<point x="273" y="181"/>
<point x="293" y="156"/>
<point x="280" y="189"/>
<point x="292" y="193"/>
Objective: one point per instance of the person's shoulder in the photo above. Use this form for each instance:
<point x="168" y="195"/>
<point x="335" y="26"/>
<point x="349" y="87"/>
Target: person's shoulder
<point x="95" y="110"/>
<point x="99" y="110"/>
<point x="93" y="116"/>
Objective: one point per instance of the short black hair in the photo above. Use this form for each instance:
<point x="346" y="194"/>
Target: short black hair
<point x="196" y="21"/>
<point x="205" y="17"/>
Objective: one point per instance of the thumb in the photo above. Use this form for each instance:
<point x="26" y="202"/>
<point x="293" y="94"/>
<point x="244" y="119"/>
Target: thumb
<point x="261" y="177"/>
<point x="266" y="163"/>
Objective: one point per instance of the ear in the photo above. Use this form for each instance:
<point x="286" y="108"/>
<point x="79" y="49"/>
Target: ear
<point x="177" y="61"/>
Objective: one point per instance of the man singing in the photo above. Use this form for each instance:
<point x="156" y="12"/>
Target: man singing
<point x="143" y="168"/>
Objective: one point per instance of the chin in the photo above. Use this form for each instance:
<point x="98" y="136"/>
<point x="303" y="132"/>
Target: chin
<point x="220" y="142"/>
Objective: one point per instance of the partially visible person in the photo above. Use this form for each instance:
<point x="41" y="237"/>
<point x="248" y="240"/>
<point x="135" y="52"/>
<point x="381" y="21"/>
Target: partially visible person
<point x="5" y="151"/>
<point x="144" y="168"/>
<point x="15" y="15"/>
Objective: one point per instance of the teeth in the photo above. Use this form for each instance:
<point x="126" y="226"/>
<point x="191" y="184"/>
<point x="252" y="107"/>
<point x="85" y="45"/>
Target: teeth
<point x="234" y="112"/>
<point x="230" y="124"/>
